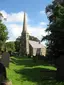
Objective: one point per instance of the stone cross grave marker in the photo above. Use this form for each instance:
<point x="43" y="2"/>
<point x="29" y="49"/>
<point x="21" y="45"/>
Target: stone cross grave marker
<point x="5" y="59"/>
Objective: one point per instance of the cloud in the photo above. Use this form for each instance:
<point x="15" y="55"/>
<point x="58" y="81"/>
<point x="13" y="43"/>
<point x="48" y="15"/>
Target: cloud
<point x="14" y="17"/>
<point x="15" y="29"/>
<point x="42" y="12"/>
<point x="37" y="31"/>
<point x="43" y="23"/>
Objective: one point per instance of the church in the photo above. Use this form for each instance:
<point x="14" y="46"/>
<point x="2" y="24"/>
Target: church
<point x="30" y="47"/>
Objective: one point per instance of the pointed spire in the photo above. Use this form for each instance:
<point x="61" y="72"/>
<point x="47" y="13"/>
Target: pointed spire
<point x="24" y="23"/>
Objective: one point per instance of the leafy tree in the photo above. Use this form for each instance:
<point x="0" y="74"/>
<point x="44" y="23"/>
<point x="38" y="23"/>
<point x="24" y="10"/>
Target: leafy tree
<point x="17" y="44"/>
<point x="34" y="38"/>
<point x="3" y="32"/>
<point x="10" y="46"/>
<point x="55" y="37"/>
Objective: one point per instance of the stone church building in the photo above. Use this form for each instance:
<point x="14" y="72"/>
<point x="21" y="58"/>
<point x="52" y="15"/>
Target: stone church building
<point x="30" y="47"/>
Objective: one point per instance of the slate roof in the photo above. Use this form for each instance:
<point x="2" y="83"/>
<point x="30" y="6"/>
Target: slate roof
<point x="35" y="44"/>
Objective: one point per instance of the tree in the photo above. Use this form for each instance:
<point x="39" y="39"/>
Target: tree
<point x="3" y="32"/>
<point x="10" y="46"/>
<point x="34" y="38"/>
<point x="55" y="37"/>
<point x="17" y="44"/>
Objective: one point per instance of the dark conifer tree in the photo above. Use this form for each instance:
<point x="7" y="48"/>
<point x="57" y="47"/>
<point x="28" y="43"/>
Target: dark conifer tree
<point x="55" y="37"/>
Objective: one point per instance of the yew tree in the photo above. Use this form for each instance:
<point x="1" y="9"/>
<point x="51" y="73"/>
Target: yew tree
<point x="55" y="29"/>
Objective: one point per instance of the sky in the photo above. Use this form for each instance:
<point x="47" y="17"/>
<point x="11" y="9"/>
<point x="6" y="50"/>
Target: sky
<point x="13" y="11"/>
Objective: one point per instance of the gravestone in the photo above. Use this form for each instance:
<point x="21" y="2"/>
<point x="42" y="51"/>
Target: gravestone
<point x="5" y="59"/>
<point x="60" y="68"/>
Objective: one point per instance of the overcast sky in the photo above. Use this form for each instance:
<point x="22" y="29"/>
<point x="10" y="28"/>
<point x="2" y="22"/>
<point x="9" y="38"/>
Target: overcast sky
<point x="37" y="21"/>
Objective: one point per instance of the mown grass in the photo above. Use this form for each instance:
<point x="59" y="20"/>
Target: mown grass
<point x="23" y="71"/>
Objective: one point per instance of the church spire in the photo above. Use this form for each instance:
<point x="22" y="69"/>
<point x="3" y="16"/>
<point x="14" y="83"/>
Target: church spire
<point x="24" y="45"/>
<point x="24" y="23"/>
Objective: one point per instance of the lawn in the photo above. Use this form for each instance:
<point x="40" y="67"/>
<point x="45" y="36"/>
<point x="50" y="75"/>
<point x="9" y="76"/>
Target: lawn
<point x="23" y="71"/>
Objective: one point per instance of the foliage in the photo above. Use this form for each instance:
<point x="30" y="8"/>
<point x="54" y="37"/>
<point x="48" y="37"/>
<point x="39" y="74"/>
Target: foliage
<point x="3" y="32"/>
<point x="55" y="37"/>
<point x="10" y="46"/>
<point x="17" y="44"/>
<point x="33" y="38"/>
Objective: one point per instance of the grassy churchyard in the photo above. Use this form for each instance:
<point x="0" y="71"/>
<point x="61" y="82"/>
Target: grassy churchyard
<point x="23" y="71"/>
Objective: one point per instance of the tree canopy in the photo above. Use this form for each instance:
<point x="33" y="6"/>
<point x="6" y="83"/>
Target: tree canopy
<point x="55" y="29"/>
<point x="17" y="44"/>
<point x="10" y="46"/>
<point x="3" y="32"/>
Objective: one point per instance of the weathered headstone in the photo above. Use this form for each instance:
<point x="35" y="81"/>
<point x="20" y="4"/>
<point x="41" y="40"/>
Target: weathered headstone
<point x="60" y="68"/>
<point x="5" y="59"/>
